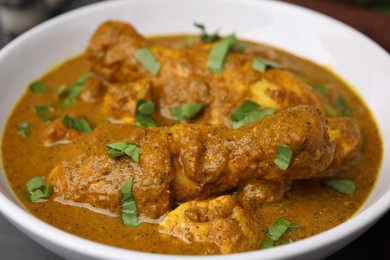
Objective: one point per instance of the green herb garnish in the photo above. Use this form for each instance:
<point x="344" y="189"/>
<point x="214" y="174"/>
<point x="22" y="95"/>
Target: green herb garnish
<point x="320" y="89"/>
<point x="122" y="148"/>
<point x="283" y="156"/>
<point x="37" y="188"/>
<point x="343" y="186"/>
<point x="80" y="125"/>
<point x="129" y="206"/>
<point x="341" y="105"/>
<point x="186" y="111"/>
<point x="329" y="111"/>
<point x="275" y="232"/>
<point x="249" y="112"/>
<point x="38" y="87"/>
<point x="146" y="58"/>
<point x="44" y="113"/>
<point x="143" y="113"/>
<point x="261" y="65"/>
<point x="205" y="37"/>
<point x="219" y="52"/>
<point x="24" y="129"/>
<point x="68" y="95"/>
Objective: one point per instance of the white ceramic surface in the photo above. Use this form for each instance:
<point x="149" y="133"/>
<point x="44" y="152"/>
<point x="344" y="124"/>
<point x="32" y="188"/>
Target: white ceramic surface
<point x="302" y="32"/>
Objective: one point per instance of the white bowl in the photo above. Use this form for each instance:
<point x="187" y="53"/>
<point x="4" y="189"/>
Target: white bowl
<point x="305" y="33"/>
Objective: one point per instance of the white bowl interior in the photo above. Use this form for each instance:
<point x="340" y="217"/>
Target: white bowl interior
<point x="354" y="57"/>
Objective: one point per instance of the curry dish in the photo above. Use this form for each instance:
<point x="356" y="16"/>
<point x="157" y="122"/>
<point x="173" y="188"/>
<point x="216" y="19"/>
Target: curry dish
<point x="190" y="145"/>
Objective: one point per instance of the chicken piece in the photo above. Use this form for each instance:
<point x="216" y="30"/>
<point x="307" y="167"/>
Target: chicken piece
<point x="58" y="133"/>
<point x="259" y="191"/>
<point x="220" y="221"/>
<point x="185" y="78"/>
<point x="345" y="132"/>
<point x="210" y="160"/>
<point x="192" y="161"/>
<point x="93" y="90"/>
<point x="89" y="177"/>
<point x="120" y="101"/>
<point x="112" y="49"/>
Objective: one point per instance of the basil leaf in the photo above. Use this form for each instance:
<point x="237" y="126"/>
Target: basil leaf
<point x="246" y="107"/>
<point x="37" y="189"/>
<point x="35" y="183"/>
<point x="143" y="113"/>
<point x="122" y="148"/>
<point x="253" y="117"/>
<point x="129" y="206"/>
<point x="186" y="111"/>
<point x="341" y="105"/>
<point x="132" y="151"/>
<point x="66" y="102"/>
<point x="80" y="125"/>
<point x="219" y="52"/>
<point x="24" y="129"/>
<point x="204" y="36"/>
<point x="36" y="195"/>
<point x="61" y="90"/>
<point x="249" y="112"/>
<point x="38" y="87"/>
<point x="47" y="191"/>
<point x="267" y="242"/>
<point x="41" y="193"/>
<point x="80" y="80"/>
<point x="74" y="91"/>
<point x="343" y="186"/>
<point x="69" y="94"/>
<point x="261" y="65"/>
<point x="329" y="111"/>
<point x="146" y="58"/>
<point x="320" y="89"/>
<point x="44" y="113"/>
<point x="118" y="146"/>
<point x="114" y="153"/>
<point x="275" y="232"/>
<point x="283" y="156"/>
<point x="146" y="107"/>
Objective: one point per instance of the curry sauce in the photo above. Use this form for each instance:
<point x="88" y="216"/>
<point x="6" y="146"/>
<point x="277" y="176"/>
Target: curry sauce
<point x="309" y="205"/>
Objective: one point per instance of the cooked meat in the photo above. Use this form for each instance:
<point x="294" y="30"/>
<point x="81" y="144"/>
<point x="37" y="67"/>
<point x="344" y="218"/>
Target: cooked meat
<point x="192" y="161"/>
<point x="93" y="90"/>
<point x="185" y="78"/>
<point x="257" y="191"/>
<point x="209" y="160"/>
<point x="58" y="133"/>
<point x="88" y="175"/>
<point x="221" y="221"/>
<point x="345" y="132"/>
<point x="112" y="52"/>
<point x="120" y="101"/>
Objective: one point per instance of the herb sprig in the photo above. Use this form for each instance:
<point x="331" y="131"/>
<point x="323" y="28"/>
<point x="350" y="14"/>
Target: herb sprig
<point x="129" y="206"/>
<point x="37" y="188"/>
<point x="124" y="148"/>
<point x="249" y="112"/>
<point x="143" y="113"/>
<point x="187" y="111"/>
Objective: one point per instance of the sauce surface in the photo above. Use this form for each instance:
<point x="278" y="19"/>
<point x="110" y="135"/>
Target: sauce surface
<point x="310" y="204"/>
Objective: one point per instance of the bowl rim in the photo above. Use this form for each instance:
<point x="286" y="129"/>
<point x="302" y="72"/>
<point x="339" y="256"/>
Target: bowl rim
<point x="26" y="221"/>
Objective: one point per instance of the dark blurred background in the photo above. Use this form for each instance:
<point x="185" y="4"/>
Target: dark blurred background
<point x="371" y="17"/>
